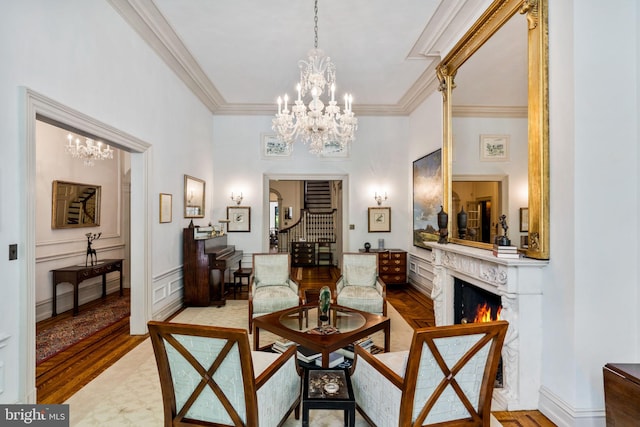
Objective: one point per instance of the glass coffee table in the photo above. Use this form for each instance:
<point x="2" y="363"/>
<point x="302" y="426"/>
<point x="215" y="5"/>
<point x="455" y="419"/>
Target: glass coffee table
<point x="347" y="325"/>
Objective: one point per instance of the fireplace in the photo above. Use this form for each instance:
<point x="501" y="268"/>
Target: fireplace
<point x="472" y="304"/>
<point x="514" y="288"/>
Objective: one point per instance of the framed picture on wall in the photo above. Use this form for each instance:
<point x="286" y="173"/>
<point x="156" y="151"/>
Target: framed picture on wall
<point x="239" y="218"/>
<point x="379" y="220"/>
<point x="273" y="148"/>
<point x="427" y="198"/>
<point x="193" y="197"/>
<point x="494" y="148"/>
<point x="166" y="203"/>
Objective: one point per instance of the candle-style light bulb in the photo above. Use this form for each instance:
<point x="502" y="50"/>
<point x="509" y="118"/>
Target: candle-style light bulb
<point x="279" y="105"/>
<point x="286" y="100"/>
<point x="333" y="91"/>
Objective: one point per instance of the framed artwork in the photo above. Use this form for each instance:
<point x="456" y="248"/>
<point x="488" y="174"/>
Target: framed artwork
<point x="166" y="205"/>
<point x="273" y="148"/>
<point x="193" y="197"/>
<point x="494" y="148"/>
<point x="524" y="219"/>
<point x="379" y="220"/>
<point x="239" y="218"/>
<point x="333" y="150"/>
<point x="427" y="198"/>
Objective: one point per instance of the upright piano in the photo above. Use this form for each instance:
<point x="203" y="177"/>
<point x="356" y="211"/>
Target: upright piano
<point x="205" y="261"/>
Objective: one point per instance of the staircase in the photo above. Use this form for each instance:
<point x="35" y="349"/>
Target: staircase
<point x="317" y="196"/>
<point x="78" y="209"/>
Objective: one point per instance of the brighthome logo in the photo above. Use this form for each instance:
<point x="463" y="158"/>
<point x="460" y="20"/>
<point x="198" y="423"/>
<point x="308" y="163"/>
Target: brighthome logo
<point x="34" y="415"/>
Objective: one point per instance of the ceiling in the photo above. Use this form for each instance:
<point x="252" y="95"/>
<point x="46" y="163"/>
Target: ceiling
<point x="239" y="56"/>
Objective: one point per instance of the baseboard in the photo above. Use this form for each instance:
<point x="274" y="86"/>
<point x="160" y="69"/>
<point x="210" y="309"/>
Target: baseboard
<point x="562" y="414"/>
<point x="168" y="310"/>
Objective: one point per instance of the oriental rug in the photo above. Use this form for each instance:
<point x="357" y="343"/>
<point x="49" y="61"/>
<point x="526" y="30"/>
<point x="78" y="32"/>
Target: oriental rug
<point x="61" y="335"/>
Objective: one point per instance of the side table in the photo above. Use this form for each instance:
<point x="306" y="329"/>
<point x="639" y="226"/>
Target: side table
<point x="328" y="389"/>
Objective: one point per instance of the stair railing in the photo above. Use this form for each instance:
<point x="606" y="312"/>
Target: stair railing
<point x="311" y="227"/>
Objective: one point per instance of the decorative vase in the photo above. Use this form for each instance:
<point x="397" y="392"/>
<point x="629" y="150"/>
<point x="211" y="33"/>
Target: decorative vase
<point x="324" y="304"/>
<point x="462" y="223"/>
<point x="367" y="247"/>
<point x="443" y="221"/>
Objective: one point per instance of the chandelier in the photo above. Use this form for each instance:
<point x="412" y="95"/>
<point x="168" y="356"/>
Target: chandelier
<point x="89" y="151"/>
<point x="315" y="124"/>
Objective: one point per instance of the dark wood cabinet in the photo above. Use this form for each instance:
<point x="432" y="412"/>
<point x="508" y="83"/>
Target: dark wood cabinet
<point x="392" y="265"/>
<point x="622" y="394"/>
<point x="303" y="254"/>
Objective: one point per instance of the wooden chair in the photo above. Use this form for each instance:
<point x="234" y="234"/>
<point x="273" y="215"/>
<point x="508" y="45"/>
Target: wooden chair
<point x="445" y="379"/>
<point x="359" y="286"/>
<point x="271" y="287"/>
<point x="210" y="376"/>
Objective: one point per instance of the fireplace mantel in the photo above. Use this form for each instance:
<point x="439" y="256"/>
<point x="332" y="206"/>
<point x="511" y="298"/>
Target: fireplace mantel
<point x="518" y="282"/>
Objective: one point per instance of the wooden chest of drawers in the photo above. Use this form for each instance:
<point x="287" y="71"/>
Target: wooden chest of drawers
<point x="392" y="265"/>
<point x="303" y="254"/>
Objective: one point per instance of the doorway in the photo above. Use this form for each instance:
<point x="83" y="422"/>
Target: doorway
<point x="141" y="208"/>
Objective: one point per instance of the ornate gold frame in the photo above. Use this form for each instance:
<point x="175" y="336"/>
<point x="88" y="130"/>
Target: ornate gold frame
<point x="538" y="111"/>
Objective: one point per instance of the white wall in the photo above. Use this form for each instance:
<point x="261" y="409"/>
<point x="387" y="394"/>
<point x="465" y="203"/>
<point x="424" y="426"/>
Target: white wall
<point x="83" y="55"/>
<point x="378" y="160"/>
<point x="591" y="314"/>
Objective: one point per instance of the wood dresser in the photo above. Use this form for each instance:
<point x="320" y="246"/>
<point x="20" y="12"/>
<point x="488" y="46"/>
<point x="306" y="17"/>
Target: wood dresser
<point x="622" y="393"/>
<point x="392" y="265"/>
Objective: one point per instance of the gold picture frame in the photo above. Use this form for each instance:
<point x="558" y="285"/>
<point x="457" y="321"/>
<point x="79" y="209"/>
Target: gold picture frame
<point x="239" y="219"/>
<point x="166" y="207"/>
<point x="379" y="220"/>
<point x="193" y="197"/>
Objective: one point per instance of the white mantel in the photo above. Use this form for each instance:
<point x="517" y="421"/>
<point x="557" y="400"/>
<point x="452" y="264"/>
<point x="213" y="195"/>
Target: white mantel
<point x="518" y="282"/>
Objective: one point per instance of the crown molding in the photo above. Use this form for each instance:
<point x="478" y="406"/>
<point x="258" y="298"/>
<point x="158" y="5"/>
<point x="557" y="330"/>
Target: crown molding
<point x="147" y="20"/>
<point x="490" y="111"/>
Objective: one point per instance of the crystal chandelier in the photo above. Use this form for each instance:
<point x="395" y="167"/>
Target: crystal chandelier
<point x="315" y="124"/>
<point x="89" y="151"/>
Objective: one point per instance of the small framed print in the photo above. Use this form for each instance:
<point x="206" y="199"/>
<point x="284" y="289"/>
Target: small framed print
<point x="273" y="148"/>
<point x="166" y="205"/>
<point x="494" y="148"/>
<point x="239" y="219"/>
<point x="524" y="220"/>
<point x="334" y="150"/>
<point x="193" y="197"/>
<point x="379" y="220"/>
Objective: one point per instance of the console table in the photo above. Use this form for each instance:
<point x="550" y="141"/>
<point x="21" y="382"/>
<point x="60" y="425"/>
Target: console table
<point x="76" y="274"/>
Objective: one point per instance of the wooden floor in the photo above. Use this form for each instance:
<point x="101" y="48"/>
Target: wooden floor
<point x="61" y="376"/>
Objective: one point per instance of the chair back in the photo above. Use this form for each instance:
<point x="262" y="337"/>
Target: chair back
<point x="450" y="374"/>
<point x="360" y="269"/>
<point x="206" y="374"/>
<point x="271" y="269"/>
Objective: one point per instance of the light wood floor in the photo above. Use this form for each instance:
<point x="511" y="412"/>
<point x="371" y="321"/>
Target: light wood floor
<point x="61" y="376"/>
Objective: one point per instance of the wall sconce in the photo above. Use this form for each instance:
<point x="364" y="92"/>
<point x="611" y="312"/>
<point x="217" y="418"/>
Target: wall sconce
<point x="236" y="198"/>
<point x="378" y="198"/>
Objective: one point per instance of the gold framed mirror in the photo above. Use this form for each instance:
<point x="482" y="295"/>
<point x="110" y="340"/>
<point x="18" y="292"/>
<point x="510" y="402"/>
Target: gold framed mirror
<point x="518" y="132"/>
<point x="75" y="205"/>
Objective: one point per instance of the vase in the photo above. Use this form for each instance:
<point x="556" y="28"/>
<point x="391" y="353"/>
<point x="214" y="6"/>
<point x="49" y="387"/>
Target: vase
<point x="443" y="221"/>
<point x="324" y="304"/>
<point x="462" y="223"/>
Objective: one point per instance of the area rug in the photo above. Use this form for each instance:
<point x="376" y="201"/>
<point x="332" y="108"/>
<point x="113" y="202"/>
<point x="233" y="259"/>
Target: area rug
<point x="128" y="393"/>
<point x="62" y="335"/>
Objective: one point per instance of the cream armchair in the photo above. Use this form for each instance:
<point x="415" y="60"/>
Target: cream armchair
<point x="210" y="376"/>
<point x="446" y="378"/>
<point x="271" y="287"/>
<point x="359" y="286"/>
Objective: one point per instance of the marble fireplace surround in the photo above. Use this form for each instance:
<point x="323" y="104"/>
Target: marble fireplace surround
<point x="518" y="282"/>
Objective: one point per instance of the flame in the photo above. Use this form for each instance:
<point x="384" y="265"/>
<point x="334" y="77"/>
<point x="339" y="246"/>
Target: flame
<point x="483" y="314"/>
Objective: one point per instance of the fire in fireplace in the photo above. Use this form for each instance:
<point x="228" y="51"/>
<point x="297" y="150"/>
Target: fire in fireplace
<point x="472" y="304"/>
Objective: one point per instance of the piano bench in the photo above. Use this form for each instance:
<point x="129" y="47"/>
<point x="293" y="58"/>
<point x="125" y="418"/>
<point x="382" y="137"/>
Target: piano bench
<point x="238" y="275"/>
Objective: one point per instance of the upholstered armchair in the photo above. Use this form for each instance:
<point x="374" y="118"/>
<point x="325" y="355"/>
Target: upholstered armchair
<point x="271" y="287"/>
<point x="446" y="377"/>
<point x="210" y="376"/>
<point x="359" y="286"/>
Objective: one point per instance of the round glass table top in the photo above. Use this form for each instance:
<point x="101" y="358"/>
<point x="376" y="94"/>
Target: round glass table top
<point x="345" y="320"/>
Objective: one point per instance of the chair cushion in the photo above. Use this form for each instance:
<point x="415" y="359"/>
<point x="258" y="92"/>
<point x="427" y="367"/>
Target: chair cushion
<point x="271" y="270"/>
<point x="360" y="275"/>
<point x="364" y="298"/>
<point x="267" y="299"/>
